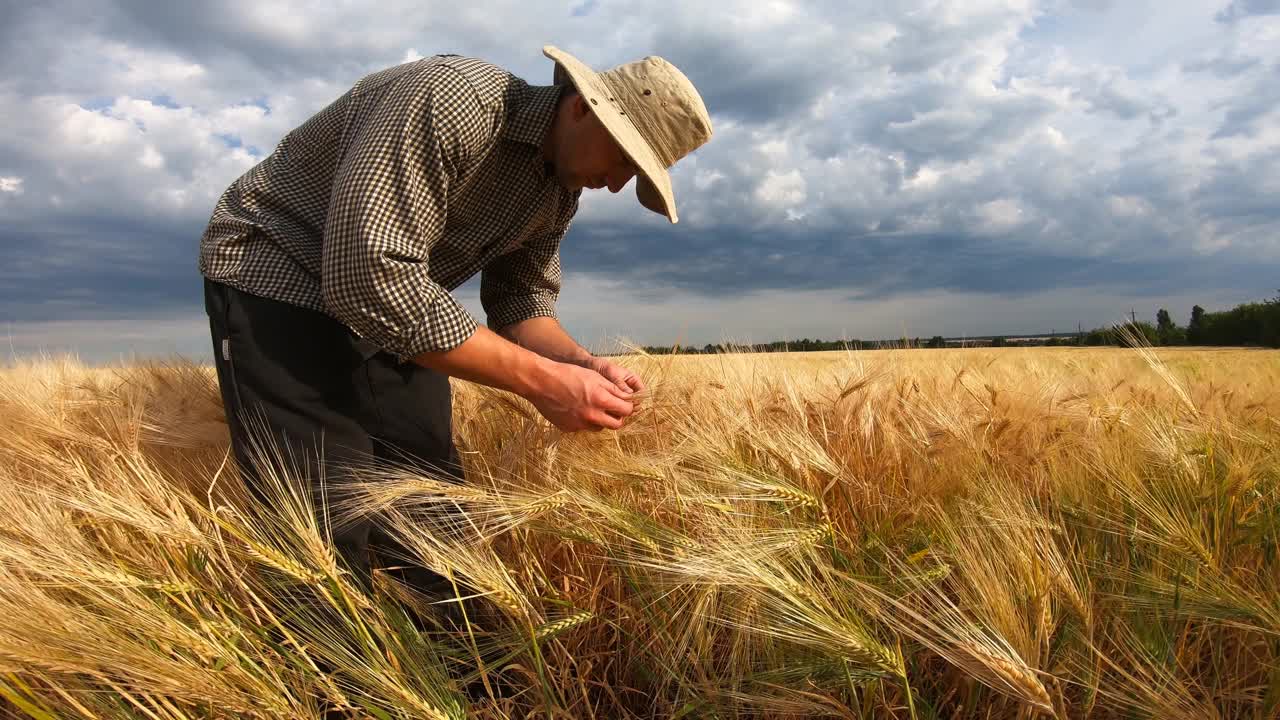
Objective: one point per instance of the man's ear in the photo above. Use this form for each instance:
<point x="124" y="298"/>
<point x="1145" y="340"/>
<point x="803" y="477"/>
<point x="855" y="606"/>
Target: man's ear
<point x="578" y="106"/>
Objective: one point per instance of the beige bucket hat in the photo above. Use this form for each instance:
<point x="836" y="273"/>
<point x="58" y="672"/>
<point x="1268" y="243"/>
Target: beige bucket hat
<point x="652" y="111"/>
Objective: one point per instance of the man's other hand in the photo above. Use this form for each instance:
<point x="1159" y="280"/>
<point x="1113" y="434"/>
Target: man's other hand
<point x="625" y="379"/>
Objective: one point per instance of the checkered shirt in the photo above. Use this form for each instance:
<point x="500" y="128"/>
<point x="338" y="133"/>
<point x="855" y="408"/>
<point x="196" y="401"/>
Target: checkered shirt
<point x="378" y="206"/>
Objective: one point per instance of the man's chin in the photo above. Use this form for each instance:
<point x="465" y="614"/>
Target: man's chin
<point x="572" y="184"/>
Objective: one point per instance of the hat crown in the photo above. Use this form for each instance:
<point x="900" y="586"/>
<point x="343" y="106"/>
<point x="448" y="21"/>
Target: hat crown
<point x="662" y="104"/>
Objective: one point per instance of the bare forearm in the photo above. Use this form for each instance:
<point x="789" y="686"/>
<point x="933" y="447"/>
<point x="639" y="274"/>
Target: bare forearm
<point x="489" y="359"/>
<point x="572" y="398"/>
<point x="546" y="337"/>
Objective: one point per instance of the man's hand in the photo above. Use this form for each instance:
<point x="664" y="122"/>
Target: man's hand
<point x="576" y="398"/>
<point x="625" y="379"/>
<point x="569" y="394"/>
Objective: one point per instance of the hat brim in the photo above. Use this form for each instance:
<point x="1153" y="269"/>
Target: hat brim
<point x="653" y="184"/>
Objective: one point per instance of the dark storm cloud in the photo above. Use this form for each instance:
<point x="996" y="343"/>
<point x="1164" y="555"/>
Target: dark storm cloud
<point x="932" y="124"/>
<point x="212" y="35"/>
<point x="875" y="267"/>
<point x="87" y="268"/>
<point x="52" y="46"/>
<point x="1223" y="67"/>
<point x="883" y="149"/>
<point x="739" y="80"/>
<point x="1245" y="8"/>
<point x="1233" y="196"/>
<point x="1246" y="114"/>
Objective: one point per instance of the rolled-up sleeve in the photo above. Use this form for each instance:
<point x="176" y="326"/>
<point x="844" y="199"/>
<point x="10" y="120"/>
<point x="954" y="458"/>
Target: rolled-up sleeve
<point x="388" y="209"/>
<point x="524" y="283"/>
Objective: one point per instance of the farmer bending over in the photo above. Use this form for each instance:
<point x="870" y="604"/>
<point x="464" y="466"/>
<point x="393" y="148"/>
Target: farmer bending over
<point x="329" y="265"/>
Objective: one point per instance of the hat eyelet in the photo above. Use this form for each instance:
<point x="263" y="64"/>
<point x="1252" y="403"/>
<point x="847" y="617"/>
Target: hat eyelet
<point x="647" y="91"/>
<point x="593" y="101"/>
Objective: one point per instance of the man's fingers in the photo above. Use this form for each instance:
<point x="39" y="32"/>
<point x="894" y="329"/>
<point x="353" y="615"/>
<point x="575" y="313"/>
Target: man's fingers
<point x="623" y="378"/>
<point x="617" y="407"/>
<point x="605" y="420"/>
<point x="619" y="392"/>
<point x="630" y="381"/>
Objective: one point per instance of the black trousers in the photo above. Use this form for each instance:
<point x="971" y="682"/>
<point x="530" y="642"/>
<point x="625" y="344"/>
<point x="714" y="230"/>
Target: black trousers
<point x="325" y="398"/>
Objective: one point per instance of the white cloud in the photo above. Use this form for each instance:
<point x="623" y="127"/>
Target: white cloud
<point x="704" y="179"/>
<point x="1001" y="215"/>
<point x="140" y="70"/>
<point x="131" y="158"/>
<point x="11" y="184"/>
<point x="781" y="190"/>
<point x="151" y="159"/>
<point x="1128" y="205"/>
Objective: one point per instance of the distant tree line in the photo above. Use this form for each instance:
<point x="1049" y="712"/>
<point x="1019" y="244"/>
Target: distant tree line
<point x="1250" y="324"/>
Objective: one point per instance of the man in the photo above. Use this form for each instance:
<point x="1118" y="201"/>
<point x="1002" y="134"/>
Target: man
<point x="328" y="266"/>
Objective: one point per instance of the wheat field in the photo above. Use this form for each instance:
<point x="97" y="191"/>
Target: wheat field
<point x="1012" y="533"/>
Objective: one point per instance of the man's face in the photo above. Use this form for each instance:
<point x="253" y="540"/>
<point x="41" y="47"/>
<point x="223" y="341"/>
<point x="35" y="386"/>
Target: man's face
<point x="589" y="157"/>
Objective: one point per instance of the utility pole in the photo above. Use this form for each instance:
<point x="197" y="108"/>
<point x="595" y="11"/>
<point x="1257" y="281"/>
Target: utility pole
<point x="1133" y="317"/>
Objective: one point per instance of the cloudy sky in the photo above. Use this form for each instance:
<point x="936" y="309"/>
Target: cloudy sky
<point x="878" y="168"/>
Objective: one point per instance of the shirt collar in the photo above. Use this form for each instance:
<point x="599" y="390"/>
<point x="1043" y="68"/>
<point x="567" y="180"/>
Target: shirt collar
<point x="529" y="122"/>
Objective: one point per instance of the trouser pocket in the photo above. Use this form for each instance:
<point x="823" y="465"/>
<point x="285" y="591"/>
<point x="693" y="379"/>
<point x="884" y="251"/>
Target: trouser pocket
<point x="414" y="408"/>
<point x="218" y="308"/>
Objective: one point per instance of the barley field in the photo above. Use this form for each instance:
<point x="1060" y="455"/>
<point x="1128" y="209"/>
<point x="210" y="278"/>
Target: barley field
<point x="1012" y="533"/>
